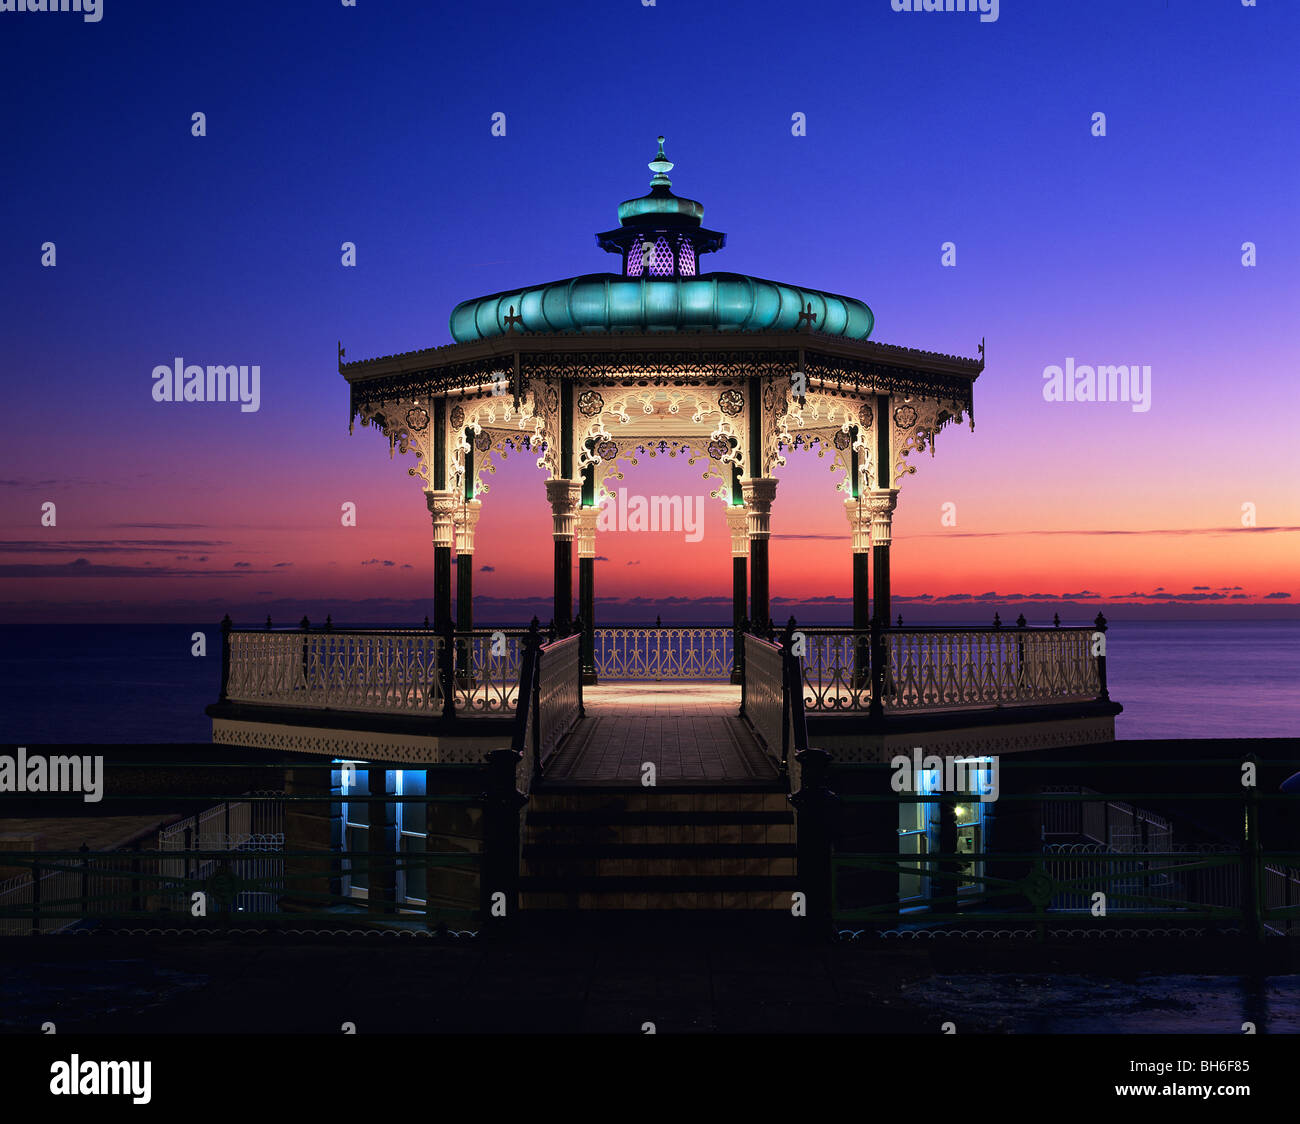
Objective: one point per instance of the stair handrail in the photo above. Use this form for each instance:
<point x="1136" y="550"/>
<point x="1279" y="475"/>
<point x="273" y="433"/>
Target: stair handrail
<point x="526" y="704"/>
<point x="796" y="724"/>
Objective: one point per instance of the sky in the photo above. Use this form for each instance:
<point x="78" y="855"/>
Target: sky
<point x="372" y="124"/>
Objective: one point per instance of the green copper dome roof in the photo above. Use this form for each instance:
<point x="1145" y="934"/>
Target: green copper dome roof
<point x="661" y="240"/>
<point x="604" y="302"/>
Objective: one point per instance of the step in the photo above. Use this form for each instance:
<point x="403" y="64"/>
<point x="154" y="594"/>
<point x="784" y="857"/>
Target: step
<point x="668" y="862"/>
<point x="679" y="835"/>
<point x="660" y="800"/>
<point x="657" y="893"/>
<point x="618" y="816"/>
<point x="565" y="851"/>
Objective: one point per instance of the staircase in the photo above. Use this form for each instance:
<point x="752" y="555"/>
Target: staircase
<point x="670" y="848"/>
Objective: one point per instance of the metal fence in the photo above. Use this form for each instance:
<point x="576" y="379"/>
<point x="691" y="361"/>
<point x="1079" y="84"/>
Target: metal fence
<point x="663" y="652"/>
<point x="949" y="668"/>
<point x="1119" y="849"/>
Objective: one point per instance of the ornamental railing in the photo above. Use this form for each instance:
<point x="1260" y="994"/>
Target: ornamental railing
<point x="417" y="671"/>
<point x="343" y="669"/>
<point x="659" y="652"/>
<point x="925" y="669"/>
<point x="488" y="663"/>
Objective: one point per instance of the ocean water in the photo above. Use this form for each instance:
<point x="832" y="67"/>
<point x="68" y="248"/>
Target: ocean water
<point x="139" y="683"/>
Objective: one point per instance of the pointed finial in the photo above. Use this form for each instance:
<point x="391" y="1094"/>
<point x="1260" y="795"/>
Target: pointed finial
<point x="661" y="166"/>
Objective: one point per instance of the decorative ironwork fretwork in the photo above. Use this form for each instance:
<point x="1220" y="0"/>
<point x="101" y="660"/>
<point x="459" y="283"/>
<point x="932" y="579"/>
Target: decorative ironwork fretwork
<point x="590" y="403"/>
<point x="935" y="669"/>
<point x="457" y="417"/>
<point x="417" y="418"/>
<point x="775" y="399"/>
<point x="889" y="370"/>
<point x="663" y="653"/>
<point x="920" y="421"/>
<point x="731" y="402"/>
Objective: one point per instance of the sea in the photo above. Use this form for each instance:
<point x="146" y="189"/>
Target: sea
<point x="140" y="683"/>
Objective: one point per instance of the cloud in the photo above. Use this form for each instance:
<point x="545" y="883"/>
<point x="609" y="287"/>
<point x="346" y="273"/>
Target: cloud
<point x="1276" y="596"/>
<point x="105" y="546"/>
<point x="634" y="563"/>
<point x="1200" y="587"/>
<point x="487" y="569"/>
<point x="281" y="565"/>
<point x="161" y="526"/>
<point x="600" y="558"/>
<point x="243" y="565"/>
<point x="377" y="562"/>
<point x="85" y="568"/>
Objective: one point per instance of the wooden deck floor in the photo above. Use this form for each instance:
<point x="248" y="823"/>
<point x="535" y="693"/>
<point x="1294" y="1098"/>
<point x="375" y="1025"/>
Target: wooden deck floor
<point x="690" y="731"/>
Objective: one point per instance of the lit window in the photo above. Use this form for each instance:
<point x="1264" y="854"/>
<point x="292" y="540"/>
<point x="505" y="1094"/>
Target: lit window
<point x="686" y="258"/>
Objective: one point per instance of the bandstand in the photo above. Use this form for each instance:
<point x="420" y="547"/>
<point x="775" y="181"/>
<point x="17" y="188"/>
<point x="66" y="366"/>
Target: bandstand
<point x="591" y="373"/>
<point x="587" y="376"/>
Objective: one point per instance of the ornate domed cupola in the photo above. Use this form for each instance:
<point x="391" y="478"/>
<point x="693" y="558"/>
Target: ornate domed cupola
<point x="659" y="234"/>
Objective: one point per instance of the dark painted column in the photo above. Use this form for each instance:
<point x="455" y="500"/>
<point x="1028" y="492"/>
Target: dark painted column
<point x="759" y="495"/>
<point x="442" y="504"/>
<point x="467" y="517"/>
<point x="563" y="496"/>
<point x="586" y="532"/>
<point x="464" y="591"/>
<point x="859" y="516"/>
<point x="880" y="504"/>
<point x="738" y="525"/>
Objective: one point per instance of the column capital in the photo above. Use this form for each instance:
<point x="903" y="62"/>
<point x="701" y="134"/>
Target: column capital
<point x="587" y="517"/>
<point x="467" y="517"/>
<point x="564" y="497"/>
<point x="442" y="507"/>
<point x="759" y="492"/>
<point x="859" y="516"/>
<point x="738" y="525"/>
<point x="880" y="503"/>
